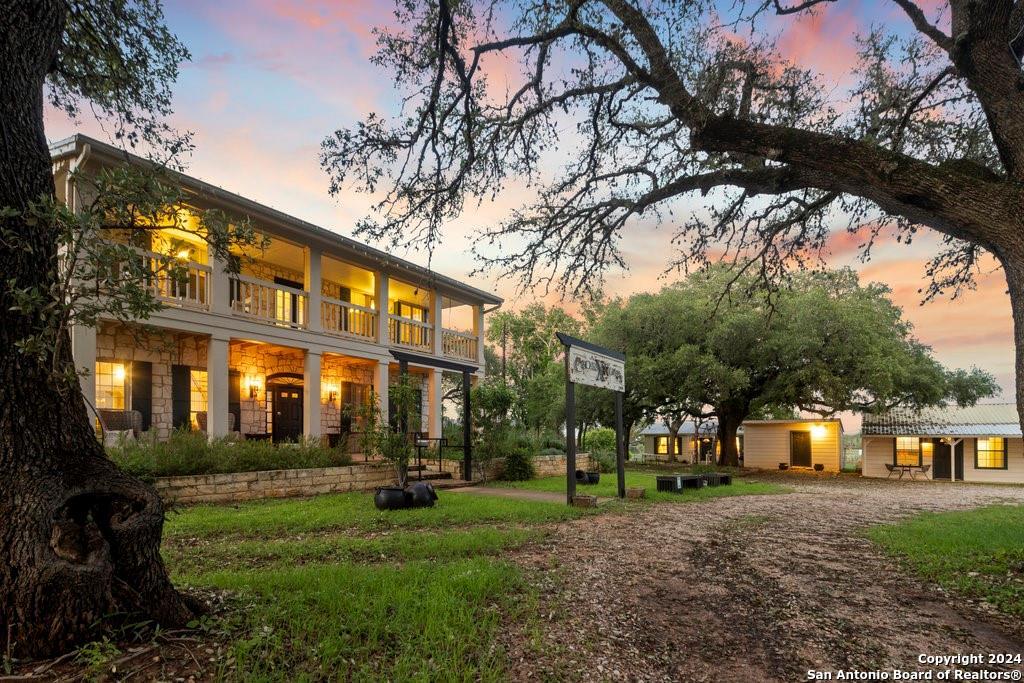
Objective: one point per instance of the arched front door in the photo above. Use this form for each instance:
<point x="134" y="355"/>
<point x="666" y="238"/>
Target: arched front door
<point x="285" y="392"/>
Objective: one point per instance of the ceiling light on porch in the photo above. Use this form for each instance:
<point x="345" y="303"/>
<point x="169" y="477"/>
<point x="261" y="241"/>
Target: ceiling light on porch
<point x="184" y="254"/>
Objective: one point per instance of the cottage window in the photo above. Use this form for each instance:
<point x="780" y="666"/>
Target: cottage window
<point x="110" y="385"/>
<point x="661" y="445"/>
<point x="908" y="451"/>
<point x="990" y="454"/>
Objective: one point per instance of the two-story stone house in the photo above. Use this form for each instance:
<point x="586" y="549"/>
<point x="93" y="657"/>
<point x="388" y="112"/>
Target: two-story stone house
<point x="308" y="327"/>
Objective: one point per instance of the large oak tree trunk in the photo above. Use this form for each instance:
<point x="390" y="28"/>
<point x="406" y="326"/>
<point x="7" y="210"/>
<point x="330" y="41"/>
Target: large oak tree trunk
<point x="727" y="428"/>
<point x="80" y="540"/>
<point x="1013" y="267"/>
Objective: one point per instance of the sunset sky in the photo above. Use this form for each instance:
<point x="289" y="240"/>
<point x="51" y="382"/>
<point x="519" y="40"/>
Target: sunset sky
<point x="270" y="79"/>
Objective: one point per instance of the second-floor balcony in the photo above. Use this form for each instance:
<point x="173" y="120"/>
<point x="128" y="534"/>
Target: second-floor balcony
<point x="410" y="333"/>
<point x="269" y="302"/>
<point x="347" y="319"/>
<point x="186" y="285"/>
<point x="410" y="322"/>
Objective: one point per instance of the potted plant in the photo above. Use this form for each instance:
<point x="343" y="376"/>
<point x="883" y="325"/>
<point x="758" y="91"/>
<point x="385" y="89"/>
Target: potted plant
<point x="381" y="439"/>
<point x="819" y="467"/>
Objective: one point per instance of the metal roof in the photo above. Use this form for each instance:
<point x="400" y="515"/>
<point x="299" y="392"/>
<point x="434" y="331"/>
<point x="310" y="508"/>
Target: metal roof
<point x="659" y="428"/>
<point x="985" y="419"/>
<point x="73" y="144"/>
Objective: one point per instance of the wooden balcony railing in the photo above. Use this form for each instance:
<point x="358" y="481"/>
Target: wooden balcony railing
<point x="268" y="301"/>
<point x="347" y="319"/>
<point x="410" y="333"/>
<point x="459" y="345"/>
<point x="178" y="283"/>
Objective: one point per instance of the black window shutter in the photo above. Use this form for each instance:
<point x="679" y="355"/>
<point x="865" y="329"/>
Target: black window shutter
<point x="142" y="391"/>
<point x="181" y="396"/>
<point x="235" y="398"/>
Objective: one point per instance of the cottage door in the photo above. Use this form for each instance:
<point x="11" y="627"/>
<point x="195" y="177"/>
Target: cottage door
<point x="942" y="461"/>
<point x="287" y="402"/>
<point x="800" y="449"/>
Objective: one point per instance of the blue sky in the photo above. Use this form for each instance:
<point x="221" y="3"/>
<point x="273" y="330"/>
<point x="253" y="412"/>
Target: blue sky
<point x="271" y="78"/>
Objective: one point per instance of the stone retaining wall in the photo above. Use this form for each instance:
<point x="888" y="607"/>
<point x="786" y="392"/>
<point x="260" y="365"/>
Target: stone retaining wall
<point x="544" y="466"/>
<point x="221" y="488"/>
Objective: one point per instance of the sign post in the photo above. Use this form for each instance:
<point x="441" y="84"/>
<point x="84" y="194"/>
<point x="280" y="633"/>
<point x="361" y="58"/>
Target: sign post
<point x="594" y="366"/>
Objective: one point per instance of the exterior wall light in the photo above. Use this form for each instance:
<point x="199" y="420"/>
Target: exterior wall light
<point x="818" y="431"/>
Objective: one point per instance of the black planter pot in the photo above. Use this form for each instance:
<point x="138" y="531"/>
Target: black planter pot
<point x="390" y="498"/>
<point x="581" y="477"/>
<point x="783" y="466"/>
<point x="593" y="477"/>
<point x="819" y="467"/>
<point x="422" y="495"/>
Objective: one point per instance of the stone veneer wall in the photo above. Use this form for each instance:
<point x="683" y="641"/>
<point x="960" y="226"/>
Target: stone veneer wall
<point x="121" y="344"/>
<point x="221" y="488"/>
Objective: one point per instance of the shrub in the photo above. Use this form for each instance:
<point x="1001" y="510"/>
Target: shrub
<point x="519" y="464"/>
<point x="604" y="459"/>
<point x="599" y="439"/>
<point x="553" y="440"/>
<point x="552" y="451"/>
<point x="192" y="453"/>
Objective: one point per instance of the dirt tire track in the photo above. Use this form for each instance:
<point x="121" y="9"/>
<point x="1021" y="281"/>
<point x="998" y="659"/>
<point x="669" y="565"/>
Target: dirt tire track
<point x="752" y="588"/>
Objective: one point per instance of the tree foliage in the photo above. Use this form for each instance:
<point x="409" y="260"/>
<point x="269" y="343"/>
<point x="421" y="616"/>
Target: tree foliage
<point x="823" y="344"/>
<point x="639" y="103"/>
<point x="532" y="361"/>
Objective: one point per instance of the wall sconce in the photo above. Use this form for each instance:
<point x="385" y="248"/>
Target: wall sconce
<point x="253" y="384"/>
<point x="332" y="394"/>
<point x="118" y="372"/>
<point x="818" y="431"/>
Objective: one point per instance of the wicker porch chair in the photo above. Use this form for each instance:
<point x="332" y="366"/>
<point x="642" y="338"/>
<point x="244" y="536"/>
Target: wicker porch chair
<point x="121" y="421"/>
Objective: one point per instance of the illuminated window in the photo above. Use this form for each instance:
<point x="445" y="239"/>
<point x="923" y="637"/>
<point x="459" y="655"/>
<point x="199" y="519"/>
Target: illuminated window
<point x="990" y="454"/>
<point x="197" y="395"/>
<point x="661" y="445"/>
<point x="110" y="385"/>
<point x="908" y="450"/>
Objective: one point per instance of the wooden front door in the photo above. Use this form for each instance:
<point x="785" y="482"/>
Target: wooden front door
<point x="948" y="462"/>
<point x="942" y="461"/>
<point x="287" y="402"/>
<point x="800" y="449"/>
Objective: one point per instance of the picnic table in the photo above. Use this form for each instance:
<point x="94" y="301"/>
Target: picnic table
<point x="907" y="469"/>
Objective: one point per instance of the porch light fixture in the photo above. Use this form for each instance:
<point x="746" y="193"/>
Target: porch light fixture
<point x="818" y="431"/>
<point x="184" y="254"/>
<point x="118" y="372"/>
<point x="254" y="387"/>
<point x="332" y="394"/>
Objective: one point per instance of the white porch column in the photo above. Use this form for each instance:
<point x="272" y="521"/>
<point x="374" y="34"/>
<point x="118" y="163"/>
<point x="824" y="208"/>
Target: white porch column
<point x="381" y="380"/>
<point x="83" y="349"/>
<point x="311" y="395"/>
<point x="434" y="407"/>
<point x="313" y="283"/>
<point x="220" y="287"/>
<point x="217" y="387"/>
<point x="478" y="330"/>
<point x="380" y="297"/>
<point x="436" y="319"/>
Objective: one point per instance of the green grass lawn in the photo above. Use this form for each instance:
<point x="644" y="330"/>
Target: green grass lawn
<point x="337" y="590"/>
<point x="609" y="487"/>
<point x="978" y="553"/>
<point x="330" y="588"/>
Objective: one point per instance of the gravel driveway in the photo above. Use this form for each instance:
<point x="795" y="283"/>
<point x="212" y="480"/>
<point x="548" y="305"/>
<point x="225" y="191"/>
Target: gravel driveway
<point x="752" y="588"/>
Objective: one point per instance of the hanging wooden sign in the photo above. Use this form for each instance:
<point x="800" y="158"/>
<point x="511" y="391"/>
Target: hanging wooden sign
<point x="596" y="369"/>
<point x="594" y="366"/>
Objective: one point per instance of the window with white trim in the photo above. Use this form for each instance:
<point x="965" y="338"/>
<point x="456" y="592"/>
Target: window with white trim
<point x="990" y="453"/>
